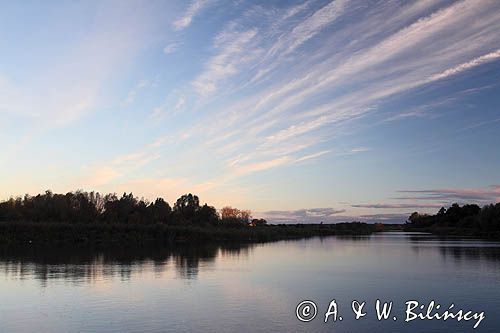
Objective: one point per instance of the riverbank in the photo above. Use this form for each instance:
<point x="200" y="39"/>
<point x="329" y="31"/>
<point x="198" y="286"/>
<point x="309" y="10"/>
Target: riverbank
<point x="98" y="233"/>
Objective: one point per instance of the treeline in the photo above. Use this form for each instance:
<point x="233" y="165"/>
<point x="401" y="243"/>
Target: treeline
<point x="460" y="220"/>
<point x="91" y="218"/>
<point x="92" y="207"/>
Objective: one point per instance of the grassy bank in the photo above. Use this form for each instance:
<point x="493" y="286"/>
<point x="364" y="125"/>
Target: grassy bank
<point x="97" y="233"/>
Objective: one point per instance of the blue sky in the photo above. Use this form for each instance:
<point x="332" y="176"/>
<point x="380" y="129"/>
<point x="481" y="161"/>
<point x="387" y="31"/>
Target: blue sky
<point x="300" y="111"/>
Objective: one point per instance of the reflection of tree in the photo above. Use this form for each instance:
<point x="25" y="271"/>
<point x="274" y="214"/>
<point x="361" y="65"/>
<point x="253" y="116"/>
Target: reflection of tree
<point x="477" y="254"/>
<point x="188" y="258"/>
<point x="84" y="265"/>
<point x="461" y="250"/>
<point x="235" y="250"/>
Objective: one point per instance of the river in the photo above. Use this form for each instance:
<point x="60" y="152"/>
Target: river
<point x="251" y="287"/>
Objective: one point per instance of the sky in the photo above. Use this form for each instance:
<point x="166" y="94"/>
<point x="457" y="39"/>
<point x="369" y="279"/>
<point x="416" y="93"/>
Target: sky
<point x="301" y="111"/>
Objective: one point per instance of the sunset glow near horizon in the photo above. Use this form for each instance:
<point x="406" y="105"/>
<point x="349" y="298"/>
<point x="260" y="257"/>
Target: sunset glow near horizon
<point x="301" y="111"/>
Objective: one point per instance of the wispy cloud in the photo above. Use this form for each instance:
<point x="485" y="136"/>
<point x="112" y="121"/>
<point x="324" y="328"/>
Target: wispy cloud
<point x="233" y="52"/>
<point x="172" y="47"/>
<point x="360" y="150"/>
<point x="311" y="215"/>
<point x="120" y="166"/>
<point x="180" y="103"/>
<point x="396" y="206"/>
<point x="167" y="108"/>
<point x="279" y="106"/>
<point x="466" y="66"/>
<point x="396" y="218"/>
<point x="283" y="116"/>
<point x="261" y="166"/>
<point x="313" y="25"/>
<point x="270" y="86"/>
<point x="451" y="195"/>
<point x="312" y="156"/>
<point x="292" y="11"/>
<point x="133" y="93"/>
<point x="195" y="7"/>
<point x="118" y="33"/>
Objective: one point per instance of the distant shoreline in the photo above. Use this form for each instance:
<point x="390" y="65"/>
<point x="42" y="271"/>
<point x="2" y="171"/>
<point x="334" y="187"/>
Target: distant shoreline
<point x="47" y="234"/>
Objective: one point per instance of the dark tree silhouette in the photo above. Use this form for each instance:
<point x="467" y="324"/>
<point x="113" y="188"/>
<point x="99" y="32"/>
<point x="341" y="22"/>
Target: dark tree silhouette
<point x="206" y="215"/>
<point x="186" y="207"/>
<point x="260" y="222"/>
<point x="484" y="222"/>
<point x="160" y="211"/>
<point x="92" y="207"/>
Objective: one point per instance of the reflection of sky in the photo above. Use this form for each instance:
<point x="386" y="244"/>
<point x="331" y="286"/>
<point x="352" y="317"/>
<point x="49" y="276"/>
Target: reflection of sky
<point x="279" y="105"/>
<point x="255" y="288"/>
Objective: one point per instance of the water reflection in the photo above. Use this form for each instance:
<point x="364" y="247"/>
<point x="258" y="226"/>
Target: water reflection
<point x="464" y="254"/>
<point x="87" y="265"/>
<point x="246" y="287"/>
<point x="458" y="249"/>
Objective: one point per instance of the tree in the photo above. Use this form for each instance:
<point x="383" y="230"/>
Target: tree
<point x="160" y="211"/>
<point x="186" y="206"/>
<point x="206" y="215"/>
<point x="413" y="218"/>
<point x="258" y="222"/>
<point x="234" y="216"/>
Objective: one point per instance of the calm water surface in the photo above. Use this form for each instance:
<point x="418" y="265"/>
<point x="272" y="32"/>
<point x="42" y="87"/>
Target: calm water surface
<point x="248" y="288"/>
